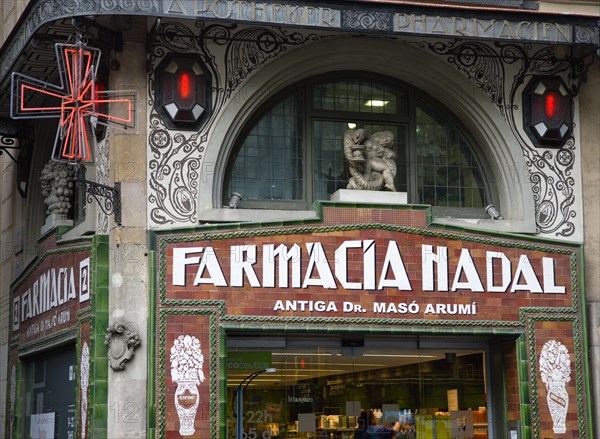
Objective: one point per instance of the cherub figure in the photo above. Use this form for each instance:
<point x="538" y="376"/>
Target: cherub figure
<point x="372" y="161"/>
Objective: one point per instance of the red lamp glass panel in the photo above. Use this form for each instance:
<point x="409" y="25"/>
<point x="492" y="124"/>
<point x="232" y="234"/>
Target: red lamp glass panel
<point x="182" y="91"/>
<point x="547" y="112"/>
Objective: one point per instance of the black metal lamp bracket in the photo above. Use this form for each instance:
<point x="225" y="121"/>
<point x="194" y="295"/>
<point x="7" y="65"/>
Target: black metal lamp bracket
<point x="107" y="197"/>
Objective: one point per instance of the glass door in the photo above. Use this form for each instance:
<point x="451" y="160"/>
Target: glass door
<point x="337" y="388"/>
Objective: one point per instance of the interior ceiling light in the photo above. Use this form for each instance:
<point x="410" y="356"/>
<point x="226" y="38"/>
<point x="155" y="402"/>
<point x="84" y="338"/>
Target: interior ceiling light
<point x="400" y="356"/>
<point x="376" y="103"/>
<point x="303" y="354"/>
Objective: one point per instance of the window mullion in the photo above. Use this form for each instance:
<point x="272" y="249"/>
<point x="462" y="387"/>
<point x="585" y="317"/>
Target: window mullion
<point x="308" y="148"/>
<point x="412" y="165"/>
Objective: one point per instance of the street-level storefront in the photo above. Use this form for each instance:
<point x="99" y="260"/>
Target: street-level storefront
<point x="271" y="301"/>
<point x="57" y="371"/>
<point x="448" y="333"/>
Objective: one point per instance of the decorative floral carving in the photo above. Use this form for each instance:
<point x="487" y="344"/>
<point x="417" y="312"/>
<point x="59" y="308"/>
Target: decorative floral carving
<point x="102" y="177"/>
<point x="186" y="370"/>
<point x="84" y="377"/>
<point x="122" y="340"/>
<point x="366" y="20"/>
<point x="555" y="369"/>
<point x="57" y="188"/>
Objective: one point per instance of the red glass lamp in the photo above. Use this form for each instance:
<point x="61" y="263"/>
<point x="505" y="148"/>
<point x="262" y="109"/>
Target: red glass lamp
<point x="548" y="112"/>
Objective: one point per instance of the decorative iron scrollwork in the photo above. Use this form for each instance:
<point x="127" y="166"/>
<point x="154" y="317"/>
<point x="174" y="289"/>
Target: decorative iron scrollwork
<point x="107" y="197"/>
<point x="10" y="131"/>
<point x="501" y="70"/>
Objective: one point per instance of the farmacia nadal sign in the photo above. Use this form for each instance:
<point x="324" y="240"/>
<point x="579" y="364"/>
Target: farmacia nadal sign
<point x="369" y="273"/>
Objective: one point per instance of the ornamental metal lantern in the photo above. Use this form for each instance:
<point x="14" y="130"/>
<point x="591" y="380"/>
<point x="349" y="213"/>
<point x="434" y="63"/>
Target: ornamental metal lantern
<point x="182" y="92"/>
<point x="547" y="112"/>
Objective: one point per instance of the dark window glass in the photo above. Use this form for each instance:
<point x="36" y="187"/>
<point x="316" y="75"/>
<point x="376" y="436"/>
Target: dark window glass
<point x="269" y="163"/>
<point x="289" y="142"/>
<point x="50" y="395"/>
<point x="448" y="174"/>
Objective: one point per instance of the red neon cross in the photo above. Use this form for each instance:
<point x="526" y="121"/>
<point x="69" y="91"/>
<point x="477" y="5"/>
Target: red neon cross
<point x="77" y="101"/>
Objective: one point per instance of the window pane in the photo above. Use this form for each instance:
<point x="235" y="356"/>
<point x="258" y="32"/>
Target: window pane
<point x="358" y="96"/>
<point x="276" y="163"/>
<point x="330" y="169"/>
<point x="447" y="172"/>
<point x="268" y="165"/>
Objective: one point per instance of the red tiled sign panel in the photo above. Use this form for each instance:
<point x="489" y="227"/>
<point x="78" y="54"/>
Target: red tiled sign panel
<point x="368" y="273"/>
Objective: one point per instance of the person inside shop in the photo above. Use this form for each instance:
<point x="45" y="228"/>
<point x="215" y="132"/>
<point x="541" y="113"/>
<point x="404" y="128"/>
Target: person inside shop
<point x="361" y="424"/>
<point x="375" y="431"/>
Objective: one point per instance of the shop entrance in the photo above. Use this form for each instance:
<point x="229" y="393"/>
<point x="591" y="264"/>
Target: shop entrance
<point x="50" y="395"/>
<point x="340" y="387"/>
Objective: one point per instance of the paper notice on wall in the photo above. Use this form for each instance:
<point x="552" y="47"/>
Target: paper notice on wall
<point x="352" y="408"/>
<point x="42" y="426"/>
<point x="461" y="424"/>
<point x="452" y="399"/>
<point x="306" y="422"/>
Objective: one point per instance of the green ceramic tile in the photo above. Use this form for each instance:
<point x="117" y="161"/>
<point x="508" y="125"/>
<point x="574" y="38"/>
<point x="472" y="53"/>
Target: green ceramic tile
<point x="101" y="368"/>
<point x="101" y="302"/>
<point x="102" y="253"/>
<point x="525" y="412"/>
<point x="99" y="418"/>
<point x="524" y="387"/>
<point x="101" y="391"/>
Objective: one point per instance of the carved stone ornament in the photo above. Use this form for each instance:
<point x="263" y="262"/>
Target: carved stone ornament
<point x="371" y="160"/>
<point x="122" y="340"/>
<point x="84" y="378"/>
<point x="57" y="189"/>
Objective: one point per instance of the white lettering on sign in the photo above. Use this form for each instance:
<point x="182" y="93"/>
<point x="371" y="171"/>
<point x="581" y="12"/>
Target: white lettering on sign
<point x="332" y="18"/>
<point x="52" y="289"/>
<point x="479" y="28"/>
<point x="330" y="270"/>
<point x="256" y="11"/>
<point x="305" y="306"/>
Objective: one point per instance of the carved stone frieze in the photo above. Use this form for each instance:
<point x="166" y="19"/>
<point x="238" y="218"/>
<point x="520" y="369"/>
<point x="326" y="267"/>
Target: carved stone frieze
<point x="122" y="340"/>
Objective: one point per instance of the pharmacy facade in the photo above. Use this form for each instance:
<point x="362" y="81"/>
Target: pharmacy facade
<point x="258" y="279"/>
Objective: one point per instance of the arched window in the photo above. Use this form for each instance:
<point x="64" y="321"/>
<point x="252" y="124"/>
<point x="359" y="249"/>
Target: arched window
<point x="291" y="153"/>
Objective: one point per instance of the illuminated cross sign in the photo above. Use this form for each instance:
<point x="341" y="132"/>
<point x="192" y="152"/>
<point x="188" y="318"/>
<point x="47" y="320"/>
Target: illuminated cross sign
<point x="76" y="102"/>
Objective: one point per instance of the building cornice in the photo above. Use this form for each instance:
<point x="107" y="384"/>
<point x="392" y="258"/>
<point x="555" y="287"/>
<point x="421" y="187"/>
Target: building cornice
<point x="389" y="18"/>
